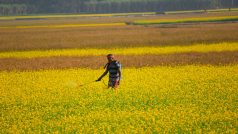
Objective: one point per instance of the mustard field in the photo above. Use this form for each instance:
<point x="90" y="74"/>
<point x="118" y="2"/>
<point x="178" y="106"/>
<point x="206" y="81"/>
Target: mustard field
<point x="118" y="23"/>
<point x="55" y="16"/>
<point x="187" y="20"/>
<point x="181" y="99"/>
<point x="202" y="48"/>
<point x="175" y="78"/>
<point x="50" y="16"/>
<point x="66" y="25"/>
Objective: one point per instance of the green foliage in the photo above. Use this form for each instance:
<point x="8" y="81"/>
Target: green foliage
<point x="11" y="9"/>
<point x="110" y="6"/>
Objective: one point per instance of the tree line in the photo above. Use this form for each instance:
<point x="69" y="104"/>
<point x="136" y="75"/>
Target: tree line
<point x="20" y="7"/>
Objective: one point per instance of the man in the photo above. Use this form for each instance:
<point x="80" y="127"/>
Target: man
<point x="114" y="69"/>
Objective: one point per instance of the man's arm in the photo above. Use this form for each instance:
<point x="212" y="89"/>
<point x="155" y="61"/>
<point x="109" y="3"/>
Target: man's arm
<point x="105" y="73"/>
<point x="119" y="72"/>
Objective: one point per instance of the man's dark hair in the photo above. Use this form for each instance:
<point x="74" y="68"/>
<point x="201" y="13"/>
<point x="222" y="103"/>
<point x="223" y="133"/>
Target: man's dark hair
<point x="110" y="55"/>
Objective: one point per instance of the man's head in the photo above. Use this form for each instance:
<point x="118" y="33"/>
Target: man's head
<point x="110" y="57"/>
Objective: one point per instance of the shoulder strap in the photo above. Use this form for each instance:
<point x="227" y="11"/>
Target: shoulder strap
<point x="117" y="63"/>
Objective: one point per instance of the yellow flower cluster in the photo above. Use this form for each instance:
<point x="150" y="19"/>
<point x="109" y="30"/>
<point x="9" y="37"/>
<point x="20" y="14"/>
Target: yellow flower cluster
<point x="182" y="99"/>
<point x="203" y="48"/>
<point x="205" y="19"/>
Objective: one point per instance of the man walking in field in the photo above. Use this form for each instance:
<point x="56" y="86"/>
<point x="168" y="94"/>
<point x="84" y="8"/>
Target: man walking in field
<point x="114" y="69"/>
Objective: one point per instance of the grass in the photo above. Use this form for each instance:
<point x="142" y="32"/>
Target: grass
<point x="70" y="16"/>
<point x="186" y="99"/>
<point x="56" y="16"/>
<point x="96" y="20"/>
<point x="66" y="25"/>
<point x="202" y="11"/>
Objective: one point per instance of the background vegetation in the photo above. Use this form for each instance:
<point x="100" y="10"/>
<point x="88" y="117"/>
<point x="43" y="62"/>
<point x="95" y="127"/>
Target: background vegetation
<point x="17" y="7"/>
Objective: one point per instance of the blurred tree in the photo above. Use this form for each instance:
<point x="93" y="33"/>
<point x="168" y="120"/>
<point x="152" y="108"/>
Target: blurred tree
<point x="8" y="7"/>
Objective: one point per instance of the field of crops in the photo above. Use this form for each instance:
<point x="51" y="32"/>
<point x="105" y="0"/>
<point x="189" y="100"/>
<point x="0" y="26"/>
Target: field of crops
<point x="202" y="48"/>
<point x="188" y="20"/>
<point x="198" y="99"/>
<point x="181" y="79"/>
